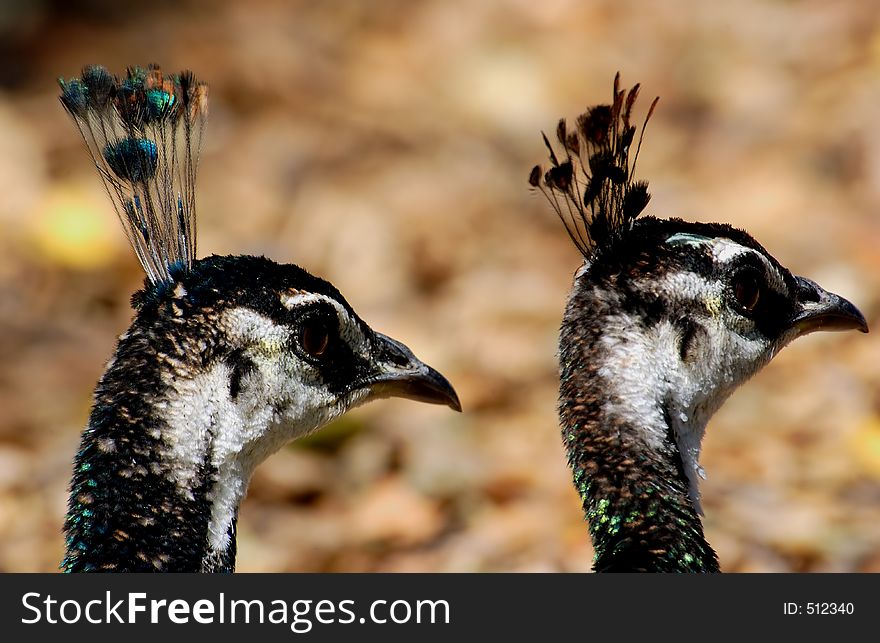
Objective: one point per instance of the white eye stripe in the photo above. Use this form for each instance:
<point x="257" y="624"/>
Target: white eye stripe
<point x="725" y="250"/>
<point x="349" y="328"/>
<point x="292" y="298"/>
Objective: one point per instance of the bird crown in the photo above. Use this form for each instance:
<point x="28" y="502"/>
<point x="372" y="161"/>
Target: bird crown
<point x="590" y="185"/>
<point x="144" y="133"/>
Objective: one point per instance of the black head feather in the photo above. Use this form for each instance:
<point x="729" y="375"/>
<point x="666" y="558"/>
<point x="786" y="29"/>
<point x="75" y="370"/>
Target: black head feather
<point x="591" y="187"/>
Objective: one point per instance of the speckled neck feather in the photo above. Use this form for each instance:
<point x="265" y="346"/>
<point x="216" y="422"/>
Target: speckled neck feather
<point x="635" y="496"/>
<point x="126" y="512"/>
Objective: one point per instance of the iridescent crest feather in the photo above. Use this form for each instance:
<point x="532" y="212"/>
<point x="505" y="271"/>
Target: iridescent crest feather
<point x="591" y="187"/>
<point x="144" y="134"/>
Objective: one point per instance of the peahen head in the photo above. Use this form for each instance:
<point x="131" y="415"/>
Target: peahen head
<point x="277" y="345"/>
<point x="227" y="358"/>
<point x="664" y="321"/>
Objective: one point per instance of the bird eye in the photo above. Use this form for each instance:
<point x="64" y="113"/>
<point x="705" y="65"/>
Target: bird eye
<point x="747" y="290"/>
<point x="314" y="337"/>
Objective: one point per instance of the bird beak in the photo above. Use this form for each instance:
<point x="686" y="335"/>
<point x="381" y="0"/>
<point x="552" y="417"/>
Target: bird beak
<point x="819" y="309"/>
<point x="399" y="373"/>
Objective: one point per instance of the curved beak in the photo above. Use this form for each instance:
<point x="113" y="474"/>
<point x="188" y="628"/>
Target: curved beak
<point x="399" y="373"/>
<point x="819" y="309"/>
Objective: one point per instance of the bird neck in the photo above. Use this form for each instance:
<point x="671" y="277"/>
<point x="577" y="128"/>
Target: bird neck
<point x="623" y="448"/>
<point x="156" y="483"/>
<point x="640" y="515"/>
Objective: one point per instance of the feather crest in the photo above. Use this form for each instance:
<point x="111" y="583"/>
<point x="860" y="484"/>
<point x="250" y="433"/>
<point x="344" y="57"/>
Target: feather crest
<point x="590" y="185"/>
<point x="143" y="132"/>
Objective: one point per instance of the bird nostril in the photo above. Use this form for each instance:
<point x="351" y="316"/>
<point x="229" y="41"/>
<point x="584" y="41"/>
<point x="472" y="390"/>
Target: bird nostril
<point x="397" y="358"/>
<point x="807" y="292"/>
<point x="393" y="352"/>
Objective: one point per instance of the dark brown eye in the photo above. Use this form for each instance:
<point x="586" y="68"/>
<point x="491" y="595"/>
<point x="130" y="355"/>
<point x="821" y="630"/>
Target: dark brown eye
<point x="314" y="337"/>
<point x="747" y="290"/>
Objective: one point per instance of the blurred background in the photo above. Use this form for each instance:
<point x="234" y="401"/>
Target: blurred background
<point x="385" y="146"/>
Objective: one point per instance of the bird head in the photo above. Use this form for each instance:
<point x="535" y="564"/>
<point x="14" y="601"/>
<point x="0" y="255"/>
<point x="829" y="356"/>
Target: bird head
<point x="748" y="303"/>
<point x="731" y="304"/>
<point x="269" y="352"/>
<point x="676" y="315"/>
